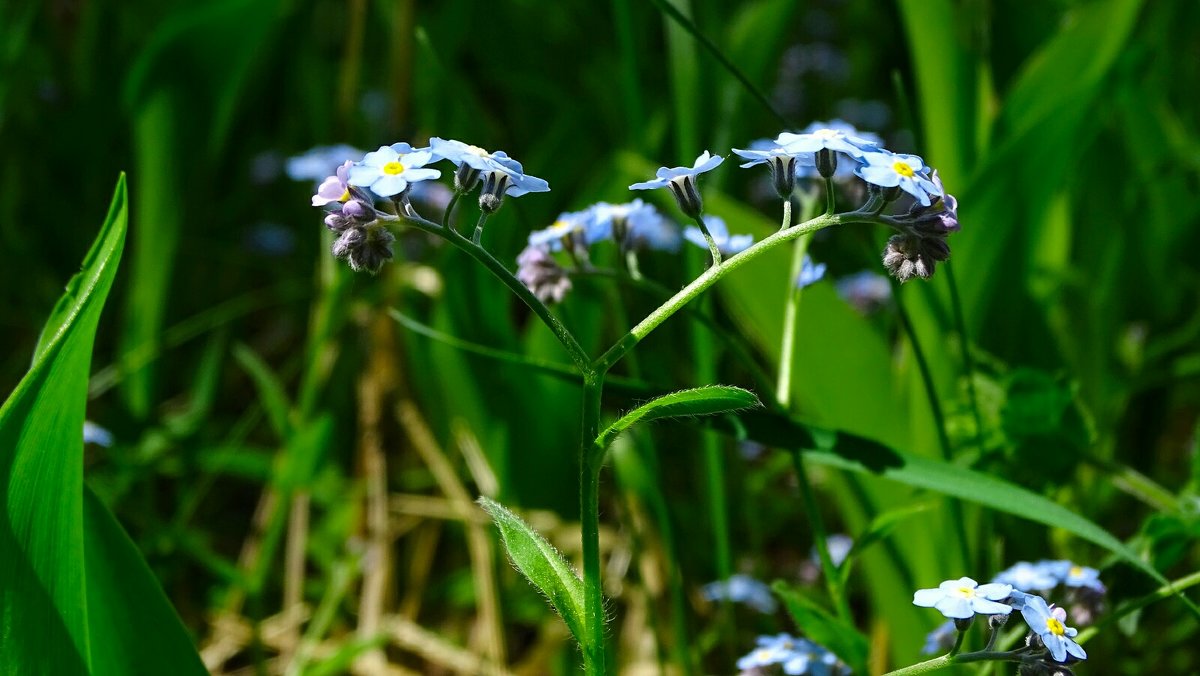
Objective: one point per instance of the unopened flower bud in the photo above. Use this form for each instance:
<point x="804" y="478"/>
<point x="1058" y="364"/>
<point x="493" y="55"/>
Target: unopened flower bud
<point x="492" y="196"/>
<point x="538" y="271"/>
<point x="826" y="162"/>
<point x="997" y="621"/>
<point x="359" y="211"/>
<point x="365" y="248"/>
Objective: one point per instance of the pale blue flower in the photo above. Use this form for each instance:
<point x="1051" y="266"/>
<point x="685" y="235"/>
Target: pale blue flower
<point x="501" y="175"/>
<point x="1026" y="577"/>
<point x="962" y="598"/>
<point x="319" y="162"/>
<point x="838" y="544"/>
<point x="837" y="136"/>
<point x="727" y="244"/>
<point x="569" y="226"/>
<point x="941" y="639"/>
<point x="473" y="156"/>
<point x="636" y="225"/>
<point x="810" y="658"/>
<point x="666" y="175"/>
<point x="888" y="170"/>
<point x="772" y="650"/>
<point x="682" y="182"/>
<point x="1050" y="625"/>
<point x="763" y="151"/>
<point x="866" y="291"/>
<point x="95" y="434"/>
<point x="389" y="172"/>
<point x="810" y="273"/>
<point x="1082" y="576"/>
<point x="742" y="589"/>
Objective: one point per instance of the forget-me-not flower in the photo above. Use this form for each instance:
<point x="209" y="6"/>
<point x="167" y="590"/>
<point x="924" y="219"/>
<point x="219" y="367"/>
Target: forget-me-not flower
<point x="810" y="273"/>
<point x="770" y="650"/>
<point x="315" y="164"/>
<point x="570" y="227"/>
<point x="682" y="182"/>
<point x="727" y="244"/>
<point x="389" y="170"/>
<point x="334" y="188"/>
<point x="95" y="434"/>
<point x="500" y="174"/>
<point x="888" y="170"/>
<point x="963" y="598"/>
<point x="1050" y="626"/>
<point x="1027" y="577"/>
<point x="825" y="141"/>
<point x="783" y="163"/>
<point x="742" y="589"/>
<point x="634" y="225"/>
<point x="1083" y="576"/>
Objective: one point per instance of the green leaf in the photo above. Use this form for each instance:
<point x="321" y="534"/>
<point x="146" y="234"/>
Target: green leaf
<point x="708" y="400"/>
<point x="825" y="629"/>
<point x="543" y="566"/>
<point x="61" y="574"/>
<point x="133" y="628"/>
<point x="270" y="390"/>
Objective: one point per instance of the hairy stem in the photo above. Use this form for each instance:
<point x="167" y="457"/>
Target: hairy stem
<point x="591" y="459"/>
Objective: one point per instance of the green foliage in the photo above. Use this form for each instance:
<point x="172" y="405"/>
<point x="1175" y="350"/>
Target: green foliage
<point x="108" y="615"/>
<point x="707" y="400"/>
<point x="823" y="628"/>
<point x="543" y="566"/>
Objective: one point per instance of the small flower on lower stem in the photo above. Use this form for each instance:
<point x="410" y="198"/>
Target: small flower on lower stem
<point x="727" y="244"/>
<point x="538" y="271"/>
<point x="783" y="162"/>
<point x="365" y="247"/>
<point x="888" y="170"/>
<point x="1082" y="576"/>
<point x="963" y="598"/>
<point x="1049" y="623"/>
<point x="388" y="171"/>
<point x="682" y="182"/>
<point x="810" y="272"/>
<point x="568" y="231"/>
<point x="941" y="639"/>
<point x="634" y="225"/>
<point x="1028" y="577"/>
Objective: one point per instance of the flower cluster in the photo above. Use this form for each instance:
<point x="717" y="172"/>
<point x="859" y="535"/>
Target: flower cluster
<point x="794" y="655"/>
<point x="362" y="194"/>
<point x="633" y="226"/>
<point x="960" y="600"/>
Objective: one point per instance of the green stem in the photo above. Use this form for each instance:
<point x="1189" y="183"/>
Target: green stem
<point x="712" y="244"/>
<point x="713" y="275"/>
<point x="787" y="214"/>
<point x="944" y="661"/>
<point x="560" y="330"/>
<point x="1166" y="591"/>
<point x="483" y="216"/>
<point x="591" y="458"/>
<point x="450" y="208"/>
<point x="830" y="196"/>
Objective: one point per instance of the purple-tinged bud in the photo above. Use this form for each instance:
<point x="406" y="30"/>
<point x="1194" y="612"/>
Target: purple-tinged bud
<point x="337" y="222"/>
<point x="365" y="248"/>
<point x="359" y="211"/>
<point x="538" y="271"/>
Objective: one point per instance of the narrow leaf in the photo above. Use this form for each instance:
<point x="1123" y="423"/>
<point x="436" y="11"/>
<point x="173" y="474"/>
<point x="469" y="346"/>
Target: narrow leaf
<point x="708" y="400"/>
<point x="270" y="391"/>
<point x="542" y="565"/>
<point x="825" y="629"/>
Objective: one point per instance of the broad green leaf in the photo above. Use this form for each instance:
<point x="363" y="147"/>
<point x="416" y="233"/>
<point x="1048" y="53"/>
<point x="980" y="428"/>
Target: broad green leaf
<point x="708" y="400"/>
<point x="75" y="596"/>
<point x="542" y="565"/>
<point x="822" y="628"/>
<point x="43" y="597"/>
<point x="133" y="628"/>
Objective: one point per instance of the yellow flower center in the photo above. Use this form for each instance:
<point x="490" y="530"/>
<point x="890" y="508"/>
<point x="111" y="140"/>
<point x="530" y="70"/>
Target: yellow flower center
<point x="345" y="196"/>
<point x="966" y="592"/>
<point x="1076" y="571"/>
<point x="561" y="226"/>
<point x="1055" y="626"/>
<point x="903" y="169"/>
<point x="825" y="133"/>
<point x="478" y="151"/>
<point x="393" y="168"/>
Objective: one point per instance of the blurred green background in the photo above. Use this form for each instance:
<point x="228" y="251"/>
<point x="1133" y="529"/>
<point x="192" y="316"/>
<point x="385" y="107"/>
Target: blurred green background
<point x="298" y="468"/>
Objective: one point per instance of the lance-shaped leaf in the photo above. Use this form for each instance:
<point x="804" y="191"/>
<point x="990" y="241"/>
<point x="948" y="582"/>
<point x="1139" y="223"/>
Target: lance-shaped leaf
<point x="709" y="400"/>
<point x="825" y="629"/>
<point x="542" y="565"/>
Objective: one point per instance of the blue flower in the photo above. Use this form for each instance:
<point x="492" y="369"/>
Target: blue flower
<point x="810" y="658"/>
<point x="783" y="161"/>
<point x="501" y="175"/>
<point x="1083" y="576"/>
<point x="866" y="290"/>
<point x="635" y="225"/>
<point x="888" y="170"/>
<point x="1050" y="626"/>
<point x="1026" y="577"/>
<point x="317" y="163"/>
<point x="570" y="226"/>
<point x="771" y="650"/>
<point x="727" y="244"/>
<point x="763" y="151"/>
<point x="842" y="138"/>
<point x="95" y="434"/>
<point x="962" y="598"/>
<point x="682" y="182"/>
<point x="389" y="170"/>
<point x="941" y="639"/>
<point x="810" y="273"/>
<point x="742" y="589"/>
